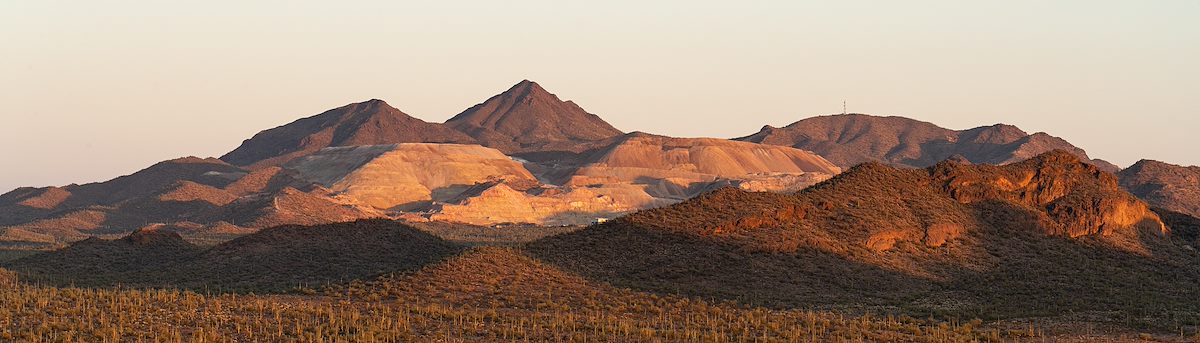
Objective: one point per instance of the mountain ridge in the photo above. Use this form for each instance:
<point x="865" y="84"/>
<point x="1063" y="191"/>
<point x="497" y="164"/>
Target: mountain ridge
<point x="1165" y="185"/>
<point x="365" y="123"/>
<point x="849" y="139"/>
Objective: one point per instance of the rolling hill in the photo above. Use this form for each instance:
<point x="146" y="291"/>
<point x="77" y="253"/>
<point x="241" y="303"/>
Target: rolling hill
<point x="276" y="259"/>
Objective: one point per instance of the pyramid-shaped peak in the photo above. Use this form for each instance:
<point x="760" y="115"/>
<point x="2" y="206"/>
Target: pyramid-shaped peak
<point x="529" y="89"/>
<point x="526" y="117"/>
<point x="375" y="105"/>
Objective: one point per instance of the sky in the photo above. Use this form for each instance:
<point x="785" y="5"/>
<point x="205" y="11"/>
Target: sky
<point x="90" y="90"/>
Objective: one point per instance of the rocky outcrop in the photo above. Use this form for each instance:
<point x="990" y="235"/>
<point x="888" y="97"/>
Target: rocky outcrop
<point x="497" y="202"/>
<point x="850" y="139"/>
<point x="371" y="122"/>
<point x="1078" y="197"/>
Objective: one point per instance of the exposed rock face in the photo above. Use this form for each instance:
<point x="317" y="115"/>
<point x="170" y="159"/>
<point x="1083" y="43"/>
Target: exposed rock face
<point x="528" y="118"/>
<point x="461" y="183"/>
<point x="1173" y="187"/>
<point x="678" y="168"/>
<point x="850" y="139"/>
<point x="407" y="175"/>
<point x="1078" y="198"/>
<point x="478" y="185"/>
<point x="496" y="202"/>
<point x="778" y="182"/>
<point x="372" y="122"/>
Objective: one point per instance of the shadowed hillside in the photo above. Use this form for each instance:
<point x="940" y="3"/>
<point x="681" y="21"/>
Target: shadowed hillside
<point x="96" y="262"/>
<point x="276" y="259"/>
<point x="492" y="278"/>
<point x="1169" y="186"/>
<point x="1038" y="237"/>
<point x="483" y="295"/>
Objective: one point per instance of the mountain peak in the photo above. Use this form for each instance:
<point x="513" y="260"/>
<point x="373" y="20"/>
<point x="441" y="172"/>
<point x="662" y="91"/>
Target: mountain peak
<point x="370" y="122"/>
<point x="526" y="117"/>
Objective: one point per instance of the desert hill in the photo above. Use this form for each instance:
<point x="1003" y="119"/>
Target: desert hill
<point x="276" y="259"/>
<point x="635" y="171"/>
<point x="24" y="204"/>
<point x="371" y="122"/>
<point x="1169" y="186"/>
<point x="293" y="255"/>
<point x="513" y="280"/>
<point x="403" y="175"/>
<point x="477" y="185"/>
<point x="850" y="139"/>
<point x="96" y="261"/>
<point x="528" y="118"/>
<point x="677" y="167"/>
<point x="188" y="191"/>
<point x="287" y="206"/>
<point x="1048" y="234"/>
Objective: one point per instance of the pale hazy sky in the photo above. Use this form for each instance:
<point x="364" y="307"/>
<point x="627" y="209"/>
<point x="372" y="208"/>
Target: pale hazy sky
<point x="95" y="89"/>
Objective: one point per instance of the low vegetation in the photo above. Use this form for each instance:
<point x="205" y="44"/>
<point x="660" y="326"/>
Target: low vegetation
<point x="484" y="295"/>
<point x="504" y="312"/>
